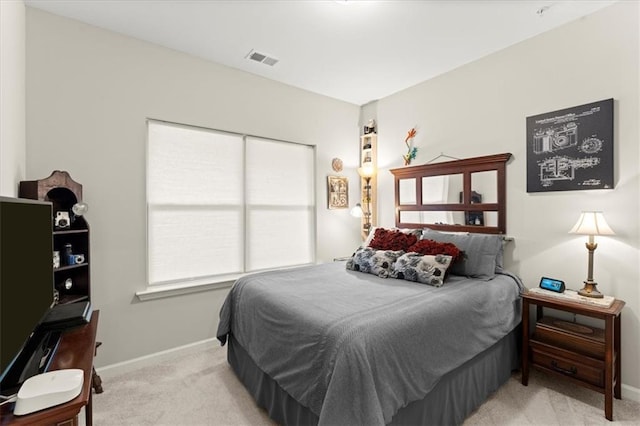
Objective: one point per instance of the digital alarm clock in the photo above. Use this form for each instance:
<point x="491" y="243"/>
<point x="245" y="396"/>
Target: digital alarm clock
<point x="552" y="284"/>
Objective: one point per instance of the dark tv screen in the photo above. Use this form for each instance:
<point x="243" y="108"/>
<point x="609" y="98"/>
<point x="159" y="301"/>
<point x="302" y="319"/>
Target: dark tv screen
<point x="26" y="272"/>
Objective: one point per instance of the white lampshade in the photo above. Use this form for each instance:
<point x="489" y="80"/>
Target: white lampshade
<point x="356" y="211"/>
<point x="591" y="223"/>
<point x="367" y="170"/>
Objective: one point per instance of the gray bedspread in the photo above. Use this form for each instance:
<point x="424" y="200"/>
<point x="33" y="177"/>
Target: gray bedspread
<point x="354" y="347"/>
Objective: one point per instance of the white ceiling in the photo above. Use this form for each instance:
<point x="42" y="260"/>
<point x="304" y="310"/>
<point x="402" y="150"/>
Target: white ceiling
<point x="357" y="51"/>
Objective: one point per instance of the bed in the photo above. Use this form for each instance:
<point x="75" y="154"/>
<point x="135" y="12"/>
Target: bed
<point x="341" y="344"/>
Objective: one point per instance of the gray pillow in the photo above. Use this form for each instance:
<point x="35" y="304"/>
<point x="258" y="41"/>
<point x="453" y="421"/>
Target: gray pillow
<point x="482" y="253"/>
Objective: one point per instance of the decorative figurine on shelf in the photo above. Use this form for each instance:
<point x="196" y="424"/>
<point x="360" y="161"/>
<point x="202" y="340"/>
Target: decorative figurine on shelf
<point x="370" y="127"/>
<point x="411" y="150"/>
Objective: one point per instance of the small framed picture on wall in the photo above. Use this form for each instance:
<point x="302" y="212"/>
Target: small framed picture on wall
<point x="338" y="192"/>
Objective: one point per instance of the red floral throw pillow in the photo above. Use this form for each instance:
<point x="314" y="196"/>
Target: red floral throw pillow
<point x="430" y="247"/>
<point x="385" y="239"/>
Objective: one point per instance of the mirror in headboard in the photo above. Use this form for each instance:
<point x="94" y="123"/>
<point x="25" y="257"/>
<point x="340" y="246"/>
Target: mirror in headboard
<point x="466" y="195"/>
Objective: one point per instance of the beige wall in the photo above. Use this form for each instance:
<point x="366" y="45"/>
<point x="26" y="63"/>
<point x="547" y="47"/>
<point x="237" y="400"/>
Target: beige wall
<point x="12" y="96"/>
<point x="90" y="92"/>
<point x="480" y="109"/>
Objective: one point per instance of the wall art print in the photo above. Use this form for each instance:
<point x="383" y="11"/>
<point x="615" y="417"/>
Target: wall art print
<point x="571" y="149"/>
<point x="338" y="191"/>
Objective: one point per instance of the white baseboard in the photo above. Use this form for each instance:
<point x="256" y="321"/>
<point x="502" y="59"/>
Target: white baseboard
<point x="112" y="370"/>
<point x="631" y="393"/>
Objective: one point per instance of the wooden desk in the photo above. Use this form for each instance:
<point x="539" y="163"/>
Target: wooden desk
<point x="76" y="350"/>
<point x="572" y="360"/>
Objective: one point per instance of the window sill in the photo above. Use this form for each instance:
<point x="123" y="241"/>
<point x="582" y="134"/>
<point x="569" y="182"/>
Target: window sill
<point x="176" y="289"/>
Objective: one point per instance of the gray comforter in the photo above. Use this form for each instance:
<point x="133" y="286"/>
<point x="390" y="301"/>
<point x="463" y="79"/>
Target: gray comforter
<point x="355" y="348"/>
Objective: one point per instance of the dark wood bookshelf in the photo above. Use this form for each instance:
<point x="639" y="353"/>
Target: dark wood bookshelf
<point x="72" y="281"/>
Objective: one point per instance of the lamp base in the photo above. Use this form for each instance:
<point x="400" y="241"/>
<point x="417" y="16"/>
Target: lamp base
<point x="590" y="290"/>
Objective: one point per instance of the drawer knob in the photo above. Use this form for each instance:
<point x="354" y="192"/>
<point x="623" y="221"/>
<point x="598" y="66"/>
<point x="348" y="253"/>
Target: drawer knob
<point x="572" y="371"/>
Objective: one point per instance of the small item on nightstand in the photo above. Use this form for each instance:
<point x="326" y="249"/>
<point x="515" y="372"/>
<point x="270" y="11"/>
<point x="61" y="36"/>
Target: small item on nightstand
<point x="552" y="284"/>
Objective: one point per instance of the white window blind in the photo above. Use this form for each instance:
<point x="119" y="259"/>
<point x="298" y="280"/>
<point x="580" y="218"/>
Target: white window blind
<point x="280" y="204"/>
<point x="222" y="204"/>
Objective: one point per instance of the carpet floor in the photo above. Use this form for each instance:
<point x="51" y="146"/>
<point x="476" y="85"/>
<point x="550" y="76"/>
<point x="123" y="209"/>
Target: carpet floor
<point x="201" y="389"/>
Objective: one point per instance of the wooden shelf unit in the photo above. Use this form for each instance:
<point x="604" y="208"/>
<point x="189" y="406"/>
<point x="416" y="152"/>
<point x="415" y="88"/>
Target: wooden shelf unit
<point x="368" y="199"/>
<point x="63" y="192"/>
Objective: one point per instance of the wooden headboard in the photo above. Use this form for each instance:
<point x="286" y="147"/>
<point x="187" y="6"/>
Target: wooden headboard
<point x="466" y="195"/>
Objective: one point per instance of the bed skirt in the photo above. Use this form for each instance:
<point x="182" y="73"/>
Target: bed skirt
<point x="450" y="402"/>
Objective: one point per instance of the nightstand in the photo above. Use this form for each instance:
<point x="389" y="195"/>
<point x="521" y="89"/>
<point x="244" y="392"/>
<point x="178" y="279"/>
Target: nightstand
<point x="587" y="356"/>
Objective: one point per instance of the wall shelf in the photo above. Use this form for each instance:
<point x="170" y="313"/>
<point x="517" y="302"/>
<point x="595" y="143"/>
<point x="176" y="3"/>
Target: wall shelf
<point x="368" y="182"/>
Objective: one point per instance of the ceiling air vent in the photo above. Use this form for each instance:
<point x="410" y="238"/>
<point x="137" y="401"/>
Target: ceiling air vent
<point x="262" y="58"/>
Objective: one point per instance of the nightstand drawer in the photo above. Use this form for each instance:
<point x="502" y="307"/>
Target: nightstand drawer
<point x="578" y="338"/>
<point x="582" y="368"/>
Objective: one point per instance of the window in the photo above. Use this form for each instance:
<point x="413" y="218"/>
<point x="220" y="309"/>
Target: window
<point x="222" y="204"/>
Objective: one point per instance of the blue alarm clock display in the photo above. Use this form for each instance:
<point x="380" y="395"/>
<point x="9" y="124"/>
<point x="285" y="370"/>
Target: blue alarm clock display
<point x="552" y="284"/>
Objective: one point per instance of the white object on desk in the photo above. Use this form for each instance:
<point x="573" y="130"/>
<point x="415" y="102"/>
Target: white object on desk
<point x="48" y="389"/>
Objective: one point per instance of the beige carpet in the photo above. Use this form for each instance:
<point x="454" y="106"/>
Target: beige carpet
<point x="201" y="389"/>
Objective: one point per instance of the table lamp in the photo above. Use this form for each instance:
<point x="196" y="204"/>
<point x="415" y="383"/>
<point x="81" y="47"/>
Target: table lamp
<point x="591" y="224"/>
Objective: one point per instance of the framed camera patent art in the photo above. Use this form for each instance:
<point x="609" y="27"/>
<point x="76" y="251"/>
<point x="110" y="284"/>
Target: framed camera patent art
<point x="571" y="149"/>
<point x="338" y="191"/>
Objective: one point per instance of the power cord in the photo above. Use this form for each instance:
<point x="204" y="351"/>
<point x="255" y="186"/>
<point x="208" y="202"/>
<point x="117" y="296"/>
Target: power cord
<point x="8" y="398"/>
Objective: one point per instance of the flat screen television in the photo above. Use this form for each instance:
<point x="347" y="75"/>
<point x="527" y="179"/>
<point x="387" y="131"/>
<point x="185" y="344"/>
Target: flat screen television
<point x="26" y="287"/>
